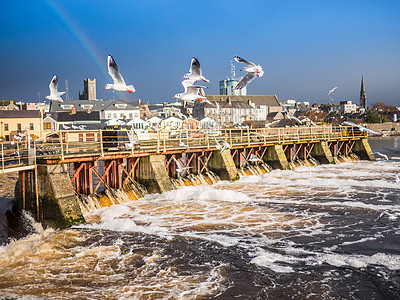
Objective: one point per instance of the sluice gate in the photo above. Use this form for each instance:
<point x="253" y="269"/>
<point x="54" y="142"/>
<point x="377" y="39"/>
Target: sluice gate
<point x="69" y="166"/>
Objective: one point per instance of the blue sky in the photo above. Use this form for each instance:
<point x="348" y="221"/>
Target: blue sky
<point x="305" y="47"/>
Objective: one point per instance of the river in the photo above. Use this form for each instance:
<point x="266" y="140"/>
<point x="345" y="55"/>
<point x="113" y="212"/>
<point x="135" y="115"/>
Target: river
<point x="322" y="232"/>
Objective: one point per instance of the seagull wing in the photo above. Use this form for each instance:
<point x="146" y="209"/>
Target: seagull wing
<point x="245" y="80"/>
<point x="194" y="89"/>
<point x="351" y="124"/>
<point x="241" y="60"/>
<point x="371" y="131"/>
<point x="195" y="67"/>
<point x="53" y="86"/>
<point x="114" y="72"/>
<point x="188" y="82"/>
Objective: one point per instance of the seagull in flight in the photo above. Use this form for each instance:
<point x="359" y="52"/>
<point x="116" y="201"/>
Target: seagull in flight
<point x="252" y="70"/>
<point x="380" y="154"/>
<point x="180" y="167"/>
<point x="222" y="145"/>
<point x="361" y="128"/>
<point x="291" y="117"/>
<point x="119" y="82"/>
<point x="191" y="92"/>
<point x="195" y="71"/>
<point x="54" y="93"/>
<point x="254" y="158"/>
<point x="332" y="91"/>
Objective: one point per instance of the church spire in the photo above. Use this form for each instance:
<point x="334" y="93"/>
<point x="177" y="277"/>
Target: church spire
<point x="363" y="96"/>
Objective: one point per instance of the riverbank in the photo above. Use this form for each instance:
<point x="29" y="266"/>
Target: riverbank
<point x="388" y="128"/>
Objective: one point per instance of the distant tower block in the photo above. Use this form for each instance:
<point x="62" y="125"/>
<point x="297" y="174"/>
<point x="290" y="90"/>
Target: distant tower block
<point x="89" y="89"/>
<point x="227" y="87"/>
<point x="363" y="95"/>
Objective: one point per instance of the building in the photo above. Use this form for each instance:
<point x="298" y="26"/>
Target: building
<point x="363" y="95"/>
<point x="89" y="89"/>
<point x="109" y="109"/>
<point x="8" y="105"/>
<point x="13" y="122"/>
<point x="265" y="104"/>
<point x="66" y="120"/>
<point x="347" y="107"/>
<point x="227" y="87"/>
<point x="227" y="112"/>
<point x="191" y="123"/>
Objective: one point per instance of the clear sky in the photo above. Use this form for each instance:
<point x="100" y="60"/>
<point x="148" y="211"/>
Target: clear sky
<point x="305" y="47"/>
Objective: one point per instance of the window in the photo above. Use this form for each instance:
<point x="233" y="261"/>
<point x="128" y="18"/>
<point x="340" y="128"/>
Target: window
<point x="114" y="116"/>
<point x="130" y="115"/>
<point x="5" y="127"/>
<point x="108" y="116"/>
<point x="31" y="127"/>
<point x="47" y="126"/>
<point x="19" y="126"/>
<point x="67" y="106"/>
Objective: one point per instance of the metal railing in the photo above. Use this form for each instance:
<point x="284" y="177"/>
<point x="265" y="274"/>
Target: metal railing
<point x="74" y="144"/>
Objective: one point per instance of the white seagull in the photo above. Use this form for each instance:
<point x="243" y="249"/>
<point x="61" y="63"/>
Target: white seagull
<point x="54" y="93"/>
<point x="17" y="137"/>
<point x="195" y="71"/>
<point x="119" y="82"/>
<point x="191" y="92"/>
<point x="252" y="70"/>
<point x="75" y="127"/>
<point x="65" y="127"/>
<point x="332" y="91"/>
<point x="222" y="145"/>
<point x="361" y="128"/>
<point x="380" y="154"/>
<point x="182" y="144"/>
<point x="254" y="158"/>
<point x="291" y="117"/>
<point x="180" y="167"/>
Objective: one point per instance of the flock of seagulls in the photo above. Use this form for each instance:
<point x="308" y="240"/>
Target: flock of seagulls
<point x="80" y="127"/>
<point x="191" y="92"/>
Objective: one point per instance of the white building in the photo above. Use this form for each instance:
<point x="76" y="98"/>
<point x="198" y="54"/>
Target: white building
<point x="347" y="107"/>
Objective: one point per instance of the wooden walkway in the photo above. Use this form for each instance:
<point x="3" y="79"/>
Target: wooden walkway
<point x="85" y="145"/>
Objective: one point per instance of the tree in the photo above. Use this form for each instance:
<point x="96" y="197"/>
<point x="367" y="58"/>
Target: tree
<point x="372" y="117"/>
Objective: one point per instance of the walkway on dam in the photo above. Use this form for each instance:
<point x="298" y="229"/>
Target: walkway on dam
<point x="91" y="145"/>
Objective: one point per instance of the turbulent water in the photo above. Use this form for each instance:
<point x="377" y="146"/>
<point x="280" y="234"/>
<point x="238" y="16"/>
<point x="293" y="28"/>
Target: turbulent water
<point x="321" y="232"/>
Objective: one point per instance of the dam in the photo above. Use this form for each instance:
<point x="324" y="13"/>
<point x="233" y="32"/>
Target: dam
<point x="57" y="172"/>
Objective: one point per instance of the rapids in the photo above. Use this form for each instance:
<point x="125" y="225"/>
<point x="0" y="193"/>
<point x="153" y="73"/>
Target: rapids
<point x="316" y="232"/>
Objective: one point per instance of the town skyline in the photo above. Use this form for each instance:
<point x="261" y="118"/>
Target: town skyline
<point x="305" y="49"/>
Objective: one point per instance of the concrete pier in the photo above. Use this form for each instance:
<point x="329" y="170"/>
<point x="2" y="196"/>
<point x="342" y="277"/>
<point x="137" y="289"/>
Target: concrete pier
<point x="363" y="150"/>
<point x="223" y="165"/>
<point x="154" y="175"/>
<point x="56" y="204"/>
<point x="276" y="157"/>
<point x="322" y="153"/>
